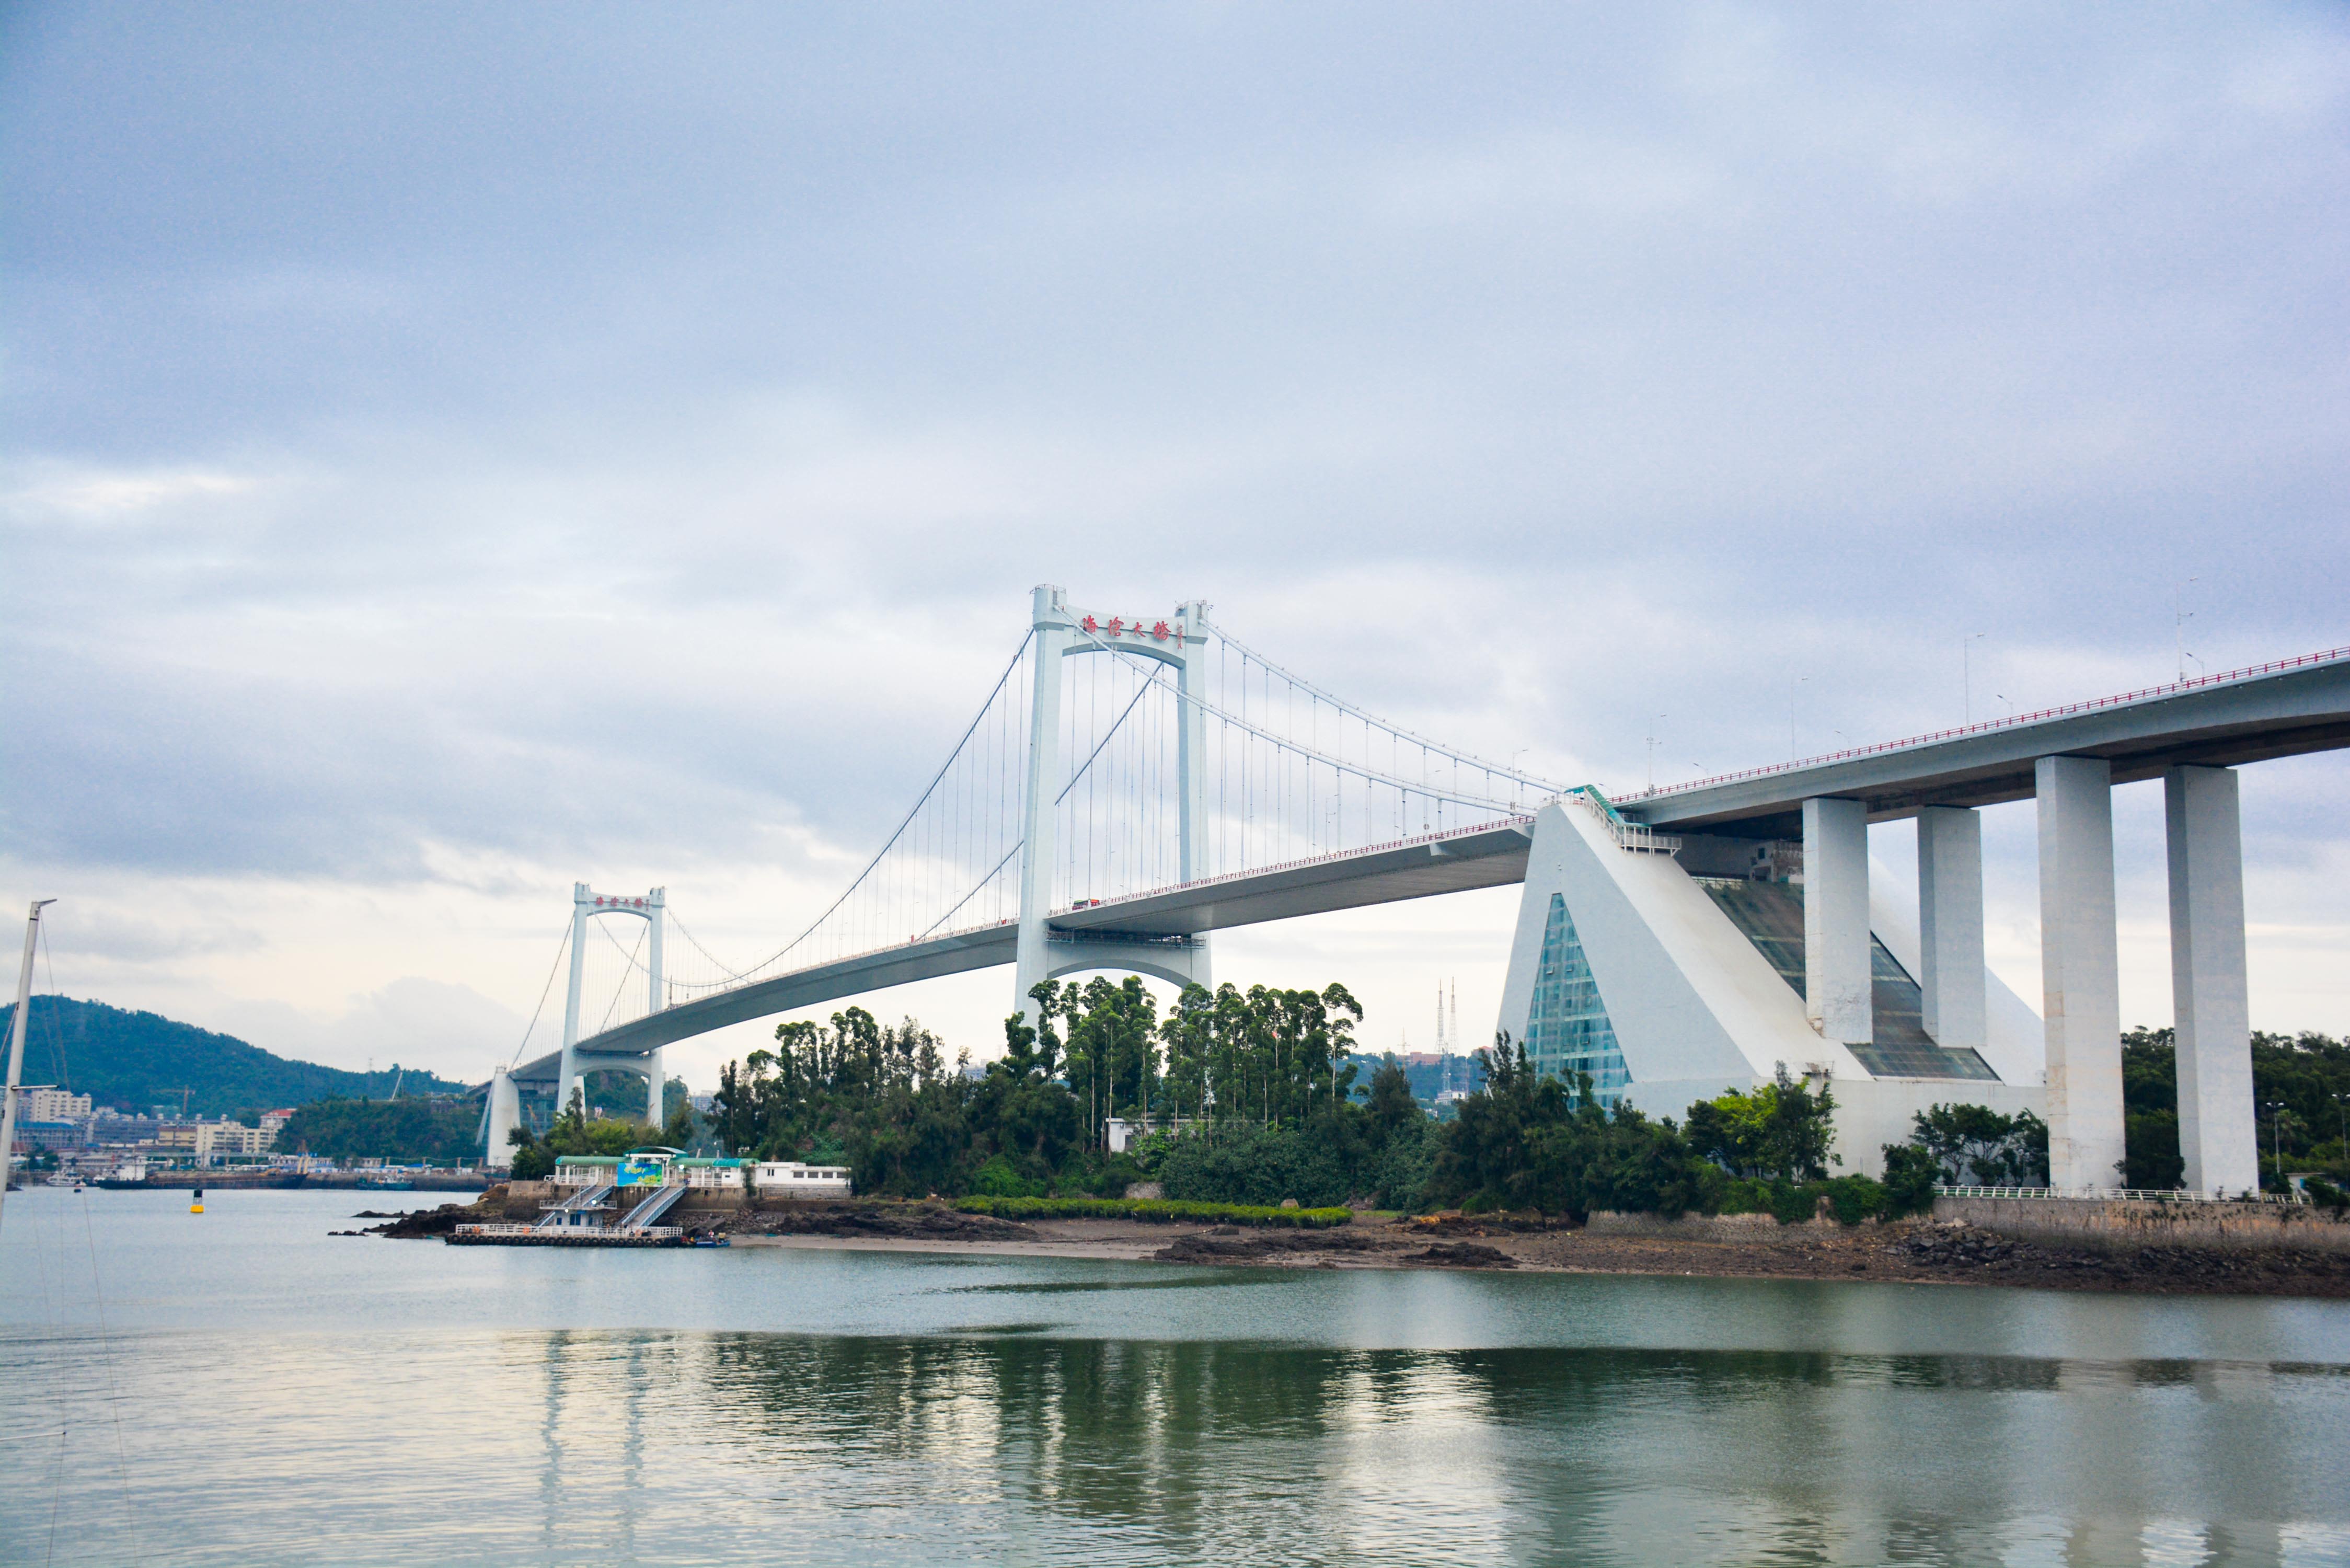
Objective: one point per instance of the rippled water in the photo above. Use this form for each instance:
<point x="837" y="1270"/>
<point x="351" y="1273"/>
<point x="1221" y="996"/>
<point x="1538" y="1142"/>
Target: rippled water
<point x="260" y="1392"/>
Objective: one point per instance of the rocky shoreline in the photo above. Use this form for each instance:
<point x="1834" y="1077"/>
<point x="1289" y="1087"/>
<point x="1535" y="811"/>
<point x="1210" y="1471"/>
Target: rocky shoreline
<point x="1913" y="1250"/>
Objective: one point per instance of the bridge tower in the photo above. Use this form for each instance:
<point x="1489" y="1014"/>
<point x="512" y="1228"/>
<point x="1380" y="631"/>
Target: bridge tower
<point x="1180" y="642"/>
<point x="500" y="1117"/>
<point x="586" y="905"/>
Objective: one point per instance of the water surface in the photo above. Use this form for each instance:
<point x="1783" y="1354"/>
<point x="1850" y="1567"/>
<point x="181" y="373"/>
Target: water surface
<point x="242" y="1387"/>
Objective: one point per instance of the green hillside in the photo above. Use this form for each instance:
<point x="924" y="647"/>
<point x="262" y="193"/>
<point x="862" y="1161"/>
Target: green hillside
<point x="136" y="1060"/>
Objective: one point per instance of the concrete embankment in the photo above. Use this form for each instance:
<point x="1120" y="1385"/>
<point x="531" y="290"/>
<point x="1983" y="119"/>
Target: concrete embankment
<point x="2122" y="1225"/>
<point x="229" y="1180"/>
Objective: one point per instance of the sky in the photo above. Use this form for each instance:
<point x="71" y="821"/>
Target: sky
<point x="449" y="452"/>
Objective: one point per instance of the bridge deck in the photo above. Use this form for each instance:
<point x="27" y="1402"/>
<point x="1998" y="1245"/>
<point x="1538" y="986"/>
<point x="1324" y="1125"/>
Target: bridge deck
<point x="1489" y="856"/>
<point x="2276" y="710"/>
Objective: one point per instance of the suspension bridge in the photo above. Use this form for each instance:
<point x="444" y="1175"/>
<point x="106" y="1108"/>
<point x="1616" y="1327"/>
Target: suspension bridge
<point x="1128" y="785"/>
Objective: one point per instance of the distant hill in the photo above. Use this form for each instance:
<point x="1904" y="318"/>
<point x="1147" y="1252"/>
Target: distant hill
<point x="136" y="1060"/>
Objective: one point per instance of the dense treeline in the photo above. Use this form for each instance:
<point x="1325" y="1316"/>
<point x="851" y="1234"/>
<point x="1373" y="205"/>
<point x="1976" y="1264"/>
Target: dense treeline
<point x="446" y="1130"/>
<point x="1257" y="1102"/>
<point x="442" y="1130"/>
<point x="1258" y="1063"/>
<point x="2307" y="1075"/>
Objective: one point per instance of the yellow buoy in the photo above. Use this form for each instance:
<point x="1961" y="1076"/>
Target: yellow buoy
<point x="198" y="1206"/>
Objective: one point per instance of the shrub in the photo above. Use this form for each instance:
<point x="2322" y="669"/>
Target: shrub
<point x="1850" y="1199"/>
<point x="997" y="1179"/>
<point x="1911" y="1175"/>
<point x="1156" y="1211"/>
<point x="1399" y="1173"/>
<point x="1254" y="1166"/>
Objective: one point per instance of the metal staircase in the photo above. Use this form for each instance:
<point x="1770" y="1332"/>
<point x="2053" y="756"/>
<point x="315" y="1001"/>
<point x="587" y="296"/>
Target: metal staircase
<point x="647" y="1214"/>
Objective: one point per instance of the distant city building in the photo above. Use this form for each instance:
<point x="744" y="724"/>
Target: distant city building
<point x="52" y="1106"/>
<point x="31" y="1134"/>
<point x="225" y="1140"/>
<point x="108" y="1127"/>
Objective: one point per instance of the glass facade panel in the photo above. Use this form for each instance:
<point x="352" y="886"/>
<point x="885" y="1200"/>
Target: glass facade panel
<point x="1567" y="1031"/>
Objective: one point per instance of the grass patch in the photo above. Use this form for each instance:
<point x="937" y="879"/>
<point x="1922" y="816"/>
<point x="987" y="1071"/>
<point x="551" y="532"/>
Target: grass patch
<point x="1158" y="1210"/>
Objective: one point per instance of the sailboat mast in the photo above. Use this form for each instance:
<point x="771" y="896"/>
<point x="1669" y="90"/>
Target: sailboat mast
<point x="17" y="1046"/>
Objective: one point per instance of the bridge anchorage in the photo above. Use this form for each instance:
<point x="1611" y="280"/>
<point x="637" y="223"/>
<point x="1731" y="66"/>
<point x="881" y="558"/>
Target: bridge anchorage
<point x="1131" y="786"/>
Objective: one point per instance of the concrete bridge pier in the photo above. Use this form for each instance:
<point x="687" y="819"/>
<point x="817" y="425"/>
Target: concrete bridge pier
<point x="1838" y="987"/>
<point x="1950" y="927"/>
<point x="2080" y="971"/>
<point x="2218" y="1134"/>
<point x="501" y="1115"/>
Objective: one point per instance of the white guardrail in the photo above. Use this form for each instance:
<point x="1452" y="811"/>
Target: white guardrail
<point x="1632" y="837"/>
<point x="2122" y="1194"/>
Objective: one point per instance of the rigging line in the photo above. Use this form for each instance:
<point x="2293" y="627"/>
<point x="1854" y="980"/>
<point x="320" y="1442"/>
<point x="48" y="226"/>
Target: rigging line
<point x="543" y="992"/>
<point x="106" y="1351"/>
<point x="692" y="941"/>
<point x="630" y="953"/>
<point x="976" y="888"/>
<point x="614" y="1007"/>
<point x="55" y="1032"/>
<point x="885" y="849"/>
<point x="1374" y="719"/>
<point x="49" y="1314"/>
<point x="1464" y="797"/>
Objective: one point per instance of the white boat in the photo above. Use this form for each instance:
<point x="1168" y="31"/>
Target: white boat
<point x="60" y="1178"/>
<point x="131" y="1172"/>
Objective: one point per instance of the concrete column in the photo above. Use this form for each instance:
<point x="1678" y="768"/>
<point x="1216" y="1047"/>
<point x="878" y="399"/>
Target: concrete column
<point x="1950" y="926"/>
<point x="1033" y="959"/>
<point x="2080" y="971"/>
<point x="1839" y="991"/>
<point x="505" y="1116"/>
<point x="569" y="1074"/>
<point x="654" y="1000"/>
<point x="2217" y="1132"/>
<point x="1191" y="743"/>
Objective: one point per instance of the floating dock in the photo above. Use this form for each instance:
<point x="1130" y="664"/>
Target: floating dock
<point x="517" y="1235"/>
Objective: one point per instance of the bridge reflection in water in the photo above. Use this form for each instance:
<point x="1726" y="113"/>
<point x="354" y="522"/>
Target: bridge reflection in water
<point x="915" y="1410"/>
<point x="1028" y="1447"/>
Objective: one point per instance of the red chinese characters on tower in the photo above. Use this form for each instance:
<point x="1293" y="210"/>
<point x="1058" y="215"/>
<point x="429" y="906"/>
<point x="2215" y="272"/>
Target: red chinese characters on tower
<point x="1088" y="624"/>
<point x="1115" y="626"/>
<point x="1158" y="630"/>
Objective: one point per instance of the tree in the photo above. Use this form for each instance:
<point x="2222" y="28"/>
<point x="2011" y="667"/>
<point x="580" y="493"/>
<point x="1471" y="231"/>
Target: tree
<point x="1974" y="1145"/>
<point x="1911" y="1173"/>
<point x="1525" y="1140"/>
<point x="1782" y="1131"/>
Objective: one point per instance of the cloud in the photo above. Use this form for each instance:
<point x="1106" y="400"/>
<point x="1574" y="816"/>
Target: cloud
<point x="450" y="1030"/>
<point x="100" y="497"/>
<point x="594" y="452"/>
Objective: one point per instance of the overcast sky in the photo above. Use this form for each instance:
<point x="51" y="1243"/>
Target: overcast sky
<point x="448" y="451"/>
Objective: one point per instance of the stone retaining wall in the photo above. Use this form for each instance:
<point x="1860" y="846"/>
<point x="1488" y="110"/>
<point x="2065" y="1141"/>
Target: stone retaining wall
<point x="1746" y="1227"/>
<point x="2120" y="1224"/>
